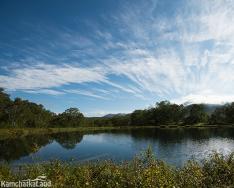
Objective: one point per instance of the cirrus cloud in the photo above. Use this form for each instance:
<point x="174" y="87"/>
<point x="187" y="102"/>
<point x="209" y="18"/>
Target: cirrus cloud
<point x="146" y="52"/>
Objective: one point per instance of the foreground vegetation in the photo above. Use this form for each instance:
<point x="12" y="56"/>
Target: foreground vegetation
<point x="20" y="113"/>
<point x="143" y="171"/>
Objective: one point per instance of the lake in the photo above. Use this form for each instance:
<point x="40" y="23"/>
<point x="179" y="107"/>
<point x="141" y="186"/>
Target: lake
<point x="174" y="146"/>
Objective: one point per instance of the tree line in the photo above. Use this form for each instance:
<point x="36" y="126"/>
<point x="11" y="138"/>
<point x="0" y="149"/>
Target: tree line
<point x="22" y="113"/>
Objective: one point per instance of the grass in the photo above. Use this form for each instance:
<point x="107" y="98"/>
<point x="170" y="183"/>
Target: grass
<point x="21" y="132"/>
<point x="6" y="133"/>
<point x="143" y="171"/>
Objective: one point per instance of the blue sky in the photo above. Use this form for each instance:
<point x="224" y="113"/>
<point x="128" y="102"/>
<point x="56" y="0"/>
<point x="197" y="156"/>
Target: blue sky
<point x="109" y="56"/>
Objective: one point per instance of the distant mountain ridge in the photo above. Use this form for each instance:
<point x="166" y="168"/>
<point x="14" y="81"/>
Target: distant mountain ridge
<point x="112" y="115"/>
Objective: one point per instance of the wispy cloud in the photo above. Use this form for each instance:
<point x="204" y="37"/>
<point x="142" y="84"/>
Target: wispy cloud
<point x="181" y="55"/>
<point x="175" y="55"/>
<point x="86" y="93"/>
<point x="45" y="91"/>
<point x="42" y="76"/>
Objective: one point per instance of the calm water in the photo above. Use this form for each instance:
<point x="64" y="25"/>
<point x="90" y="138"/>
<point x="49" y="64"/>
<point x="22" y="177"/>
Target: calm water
<point x="174" y="146"/>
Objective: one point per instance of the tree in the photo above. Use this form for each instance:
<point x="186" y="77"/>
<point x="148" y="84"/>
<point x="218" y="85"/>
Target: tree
<point x="218" y="116"/>
<point x="73" y="113"/>
<point x="223" y="115"/>
<point x="5" y="101"/>
<point x="229" y="112"/>
<point x="22" y="113"/>
<point x="196" y="114"/>
<point x="120" y="120"/>
<point x="71" y="117"/>
<point x="167" y="113"/>
<point x="138" y="118"/>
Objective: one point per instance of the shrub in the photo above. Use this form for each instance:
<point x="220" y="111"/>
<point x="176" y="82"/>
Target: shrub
<point x="143" y="171"/>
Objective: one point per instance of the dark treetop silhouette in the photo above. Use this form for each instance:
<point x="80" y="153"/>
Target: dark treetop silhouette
<point x="22" y="113"/>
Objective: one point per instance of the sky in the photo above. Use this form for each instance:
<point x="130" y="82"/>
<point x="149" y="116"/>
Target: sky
<point x="115" y="56"/>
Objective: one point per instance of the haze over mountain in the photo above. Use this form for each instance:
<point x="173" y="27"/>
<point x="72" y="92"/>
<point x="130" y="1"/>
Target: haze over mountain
<point x="112" y="115"/>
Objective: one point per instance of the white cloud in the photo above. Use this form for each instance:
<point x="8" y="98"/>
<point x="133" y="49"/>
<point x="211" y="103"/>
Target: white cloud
<point x="206" y="99"/>
<point x="201" y="58"/>
<point x="46" y="76"/>
<point x="85" y="93"/>
<point x="182" y="55"/>
<point x="45" y="91"/>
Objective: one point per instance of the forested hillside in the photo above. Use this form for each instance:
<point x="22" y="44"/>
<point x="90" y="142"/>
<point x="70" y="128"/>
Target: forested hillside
<point x="22" y="113"/>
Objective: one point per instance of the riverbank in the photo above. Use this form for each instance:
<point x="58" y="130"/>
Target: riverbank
<point x="6" y="133"/>
<point x="143" y="171"/>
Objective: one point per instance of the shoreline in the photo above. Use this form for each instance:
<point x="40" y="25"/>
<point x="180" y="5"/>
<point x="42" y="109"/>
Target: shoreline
<point x="21" y="132"/>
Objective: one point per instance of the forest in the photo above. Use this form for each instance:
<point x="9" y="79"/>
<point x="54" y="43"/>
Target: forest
<point x="20" y="113"/>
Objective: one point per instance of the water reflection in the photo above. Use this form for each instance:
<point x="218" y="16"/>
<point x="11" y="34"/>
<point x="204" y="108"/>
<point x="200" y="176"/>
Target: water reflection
<point x="172" y="145"/>
<point x="68" y="140"/>
<point x="13" y="149"/>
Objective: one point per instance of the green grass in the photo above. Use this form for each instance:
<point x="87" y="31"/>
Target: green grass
<point x="143" y="171"/>
<point x="21" y="132"/>
<point x="6" y="133"/>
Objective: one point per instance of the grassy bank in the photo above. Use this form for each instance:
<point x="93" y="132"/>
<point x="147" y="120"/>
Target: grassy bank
<point x="143" y="171"/>
<point x="21" y="132"/>
<point x="6" y="133"/>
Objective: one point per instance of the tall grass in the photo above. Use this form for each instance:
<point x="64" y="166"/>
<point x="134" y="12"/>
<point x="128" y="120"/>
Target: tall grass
<point x="143" y="171"/>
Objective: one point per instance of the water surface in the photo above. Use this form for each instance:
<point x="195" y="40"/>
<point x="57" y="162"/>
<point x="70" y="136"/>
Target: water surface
<point x="174" y="146"/>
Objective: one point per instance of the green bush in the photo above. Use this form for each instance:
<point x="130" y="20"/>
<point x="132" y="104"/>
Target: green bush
<point x="143" y="171"/>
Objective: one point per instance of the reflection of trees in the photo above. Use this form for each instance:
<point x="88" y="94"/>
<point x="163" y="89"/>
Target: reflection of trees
<point x="172" y="135"/>
<point x="68" y="140"/>
<point x="13" y="149"/>
<point x="180" y="134"/>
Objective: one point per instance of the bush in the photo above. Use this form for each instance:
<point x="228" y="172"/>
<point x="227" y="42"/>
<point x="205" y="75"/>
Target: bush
<point x="143" y="171"/>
